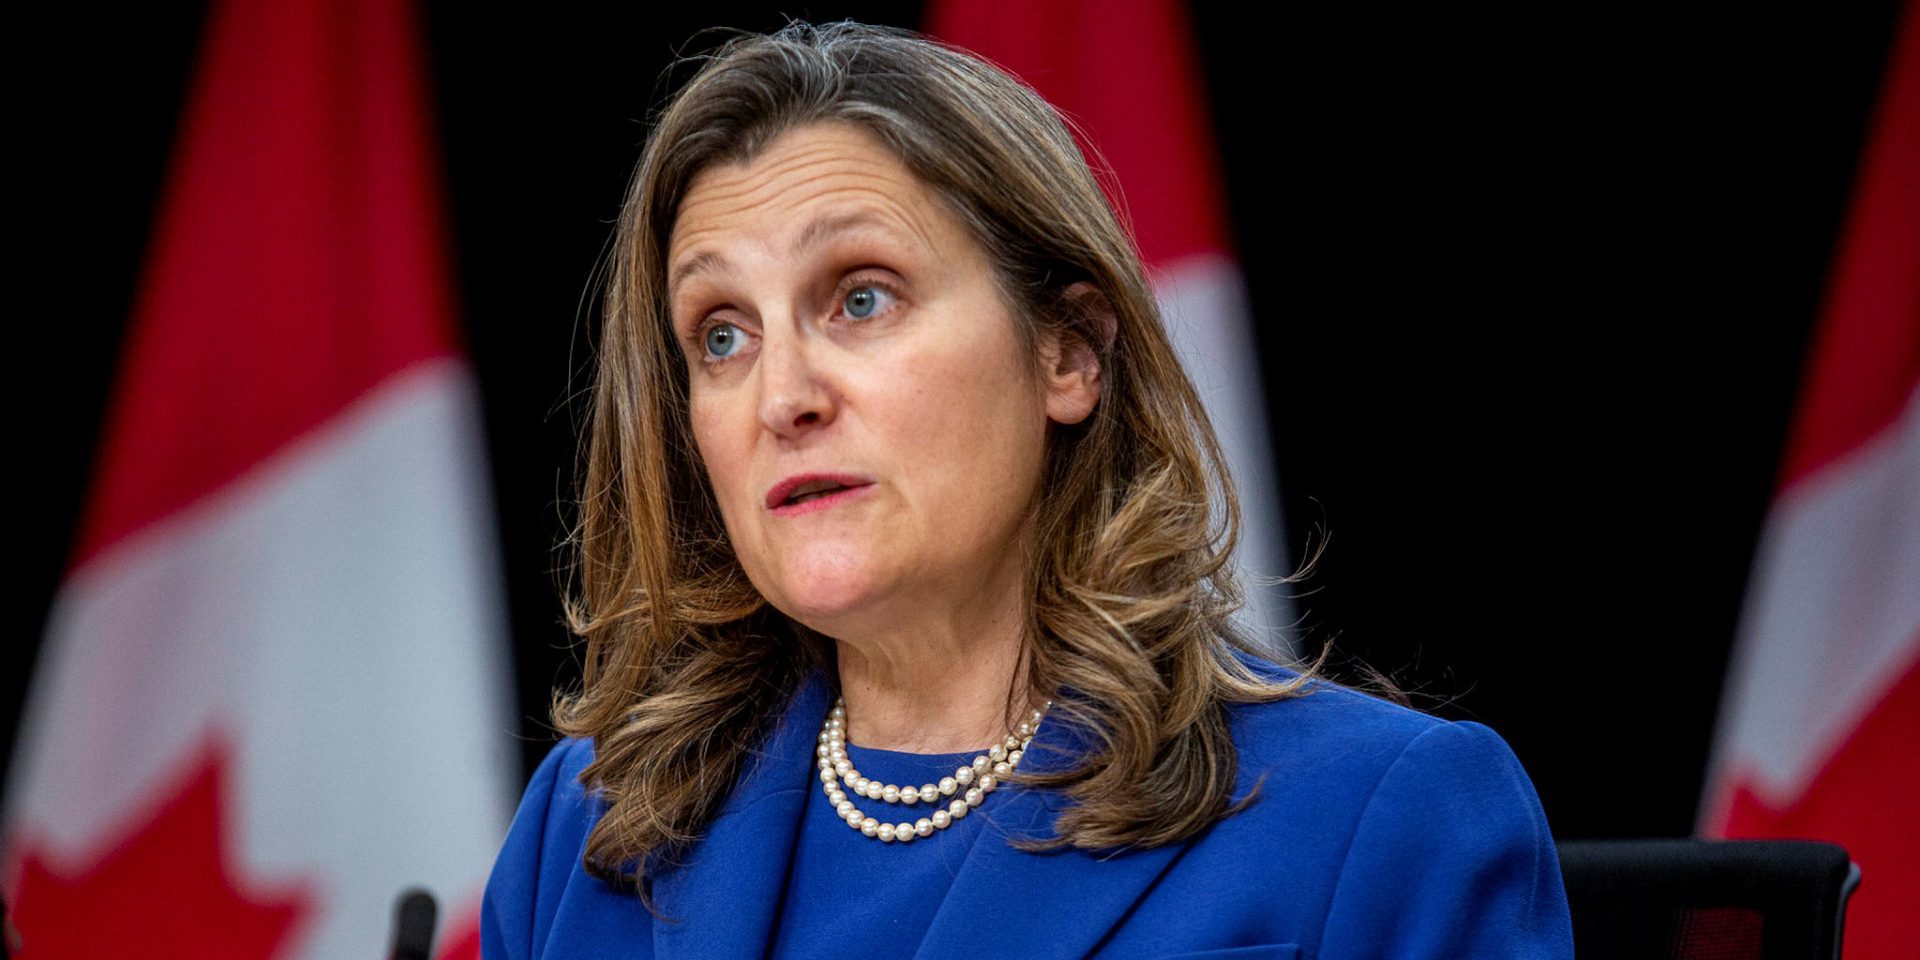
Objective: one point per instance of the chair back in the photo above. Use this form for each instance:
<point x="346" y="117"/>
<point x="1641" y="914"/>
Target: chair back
<point x="1707" y="899"/>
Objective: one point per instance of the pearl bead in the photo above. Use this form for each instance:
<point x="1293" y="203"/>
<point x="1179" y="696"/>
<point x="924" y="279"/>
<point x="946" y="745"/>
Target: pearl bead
<point x="977" y="779"/>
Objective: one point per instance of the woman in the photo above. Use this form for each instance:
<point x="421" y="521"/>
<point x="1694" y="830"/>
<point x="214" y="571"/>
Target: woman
<point x="907" y="615"/>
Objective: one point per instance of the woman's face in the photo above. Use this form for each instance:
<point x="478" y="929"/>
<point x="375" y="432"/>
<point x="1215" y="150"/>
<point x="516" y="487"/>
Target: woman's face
<point x="842" y="329"/>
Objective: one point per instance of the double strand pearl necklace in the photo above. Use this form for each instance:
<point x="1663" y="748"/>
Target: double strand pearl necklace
<point x="976" y="780"/>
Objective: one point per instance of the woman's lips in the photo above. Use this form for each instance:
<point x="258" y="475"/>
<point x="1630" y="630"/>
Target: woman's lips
<point x="822" y="501"/>
<point x="806" y="483"/>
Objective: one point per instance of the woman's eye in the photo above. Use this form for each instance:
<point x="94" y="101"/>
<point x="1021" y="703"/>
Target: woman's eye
<point x="864" y="301"/>
<point x="722" y="339"/>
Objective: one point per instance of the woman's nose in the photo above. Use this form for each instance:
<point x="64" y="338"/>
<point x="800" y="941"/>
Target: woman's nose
<point x="794" y="397"/>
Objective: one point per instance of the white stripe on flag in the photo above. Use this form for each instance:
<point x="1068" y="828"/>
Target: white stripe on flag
<point x="1203" y="302"/>
<point x="336" y="614"/>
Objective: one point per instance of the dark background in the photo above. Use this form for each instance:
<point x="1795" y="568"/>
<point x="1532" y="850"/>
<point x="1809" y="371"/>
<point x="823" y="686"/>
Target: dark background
<point x="1531" y="283"/>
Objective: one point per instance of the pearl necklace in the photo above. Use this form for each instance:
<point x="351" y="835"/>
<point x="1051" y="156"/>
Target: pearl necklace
<point x="977" y="779"/>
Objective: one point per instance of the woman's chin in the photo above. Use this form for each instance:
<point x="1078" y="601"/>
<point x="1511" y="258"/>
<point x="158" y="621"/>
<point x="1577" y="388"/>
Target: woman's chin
<point x="828" y="596"/>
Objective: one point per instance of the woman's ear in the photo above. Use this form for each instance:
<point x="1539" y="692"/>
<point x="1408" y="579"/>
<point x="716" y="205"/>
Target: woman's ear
<point x="1070" y="366"/>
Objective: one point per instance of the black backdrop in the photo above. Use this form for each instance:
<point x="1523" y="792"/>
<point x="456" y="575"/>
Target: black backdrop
<point x="1531" y="283"/>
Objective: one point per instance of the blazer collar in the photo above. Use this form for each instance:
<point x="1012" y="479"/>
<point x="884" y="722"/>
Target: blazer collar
<point x="728" y="893"/>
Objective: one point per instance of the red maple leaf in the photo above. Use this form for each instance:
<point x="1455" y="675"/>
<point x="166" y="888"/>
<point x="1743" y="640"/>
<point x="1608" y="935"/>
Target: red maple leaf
<point x="162" y="889"/>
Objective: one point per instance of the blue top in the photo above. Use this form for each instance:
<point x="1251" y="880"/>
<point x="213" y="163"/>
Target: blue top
<point x="1380" y="832"/>
<point x="851" y="895"/>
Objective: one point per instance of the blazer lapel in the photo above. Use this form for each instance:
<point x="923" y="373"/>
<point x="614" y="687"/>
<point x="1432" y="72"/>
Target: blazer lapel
<point x="727" y="892"/>
<point x="1059" y="904"/>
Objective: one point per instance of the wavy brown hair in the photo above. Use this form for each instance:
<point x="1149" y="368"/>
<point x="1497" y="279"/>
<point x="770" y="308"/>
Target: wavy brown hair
<point x="1128" y="627"/>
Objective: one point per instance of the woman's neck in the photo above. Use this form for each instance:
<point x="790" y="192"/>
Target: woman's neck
<point x="940" y="690"/>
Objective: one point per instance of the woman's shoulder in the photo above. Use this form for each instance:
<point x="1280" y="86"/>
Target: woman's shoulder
<point x="555" y="809"/>
<point x="571" y="808"/>
<point x="1334" y="739"/>
<point x="556" y="782"/>
<point x="541" y="853"/>
<point x="1324" y="708"/>
<point x="1405" y="816"/>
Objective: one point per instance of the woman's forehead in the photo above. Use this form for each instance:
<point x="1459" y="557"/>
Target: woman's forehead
<point x="811" y="184"/>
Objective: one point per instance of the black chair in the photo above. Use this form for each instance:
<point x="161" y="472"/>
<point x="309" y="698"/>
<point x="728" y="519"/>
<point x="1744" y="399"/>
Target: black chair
<point x="1707" y="899"/>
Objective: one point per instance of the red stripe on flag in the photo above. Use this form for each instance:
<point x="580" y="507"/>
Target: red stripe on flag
<point x="1865" y="360"/>
<point x="1863" y="369"/>
<point x="298" y="258"/>
<point x="1125" y="72"/>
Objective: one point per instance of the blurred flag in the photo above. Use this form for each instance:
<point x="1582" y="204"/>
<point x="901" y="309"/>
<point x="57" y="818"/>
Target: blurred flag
<point x="1822" y="706"/>
<point x="273" y="692"/>
<point x="1124" y="72"/>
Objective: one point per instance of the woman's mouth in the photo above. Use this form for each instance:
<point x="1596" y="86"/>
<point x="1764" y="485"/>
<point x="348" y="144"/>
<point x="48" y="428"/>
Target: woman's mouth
<point x="807" y="493"/>
<point x="818" y="500"/>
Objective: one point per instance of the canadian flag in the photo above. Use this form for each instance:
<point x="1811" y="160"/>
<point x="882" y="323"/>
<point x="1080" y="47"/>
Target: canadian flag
<point x="1818" y="726"/>
<point x="273" y="691"/>
<point x="1123" y="72"/>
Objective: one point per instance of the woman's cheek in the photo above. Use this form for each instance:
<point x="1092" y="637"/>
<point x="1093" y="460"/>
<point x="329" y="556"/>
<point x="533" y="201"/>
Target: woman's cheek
<point x="723" y="471"/>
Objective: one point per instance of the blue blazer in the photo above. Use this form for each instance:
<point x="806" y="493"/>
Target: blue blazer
<point x="1381" y="832"/>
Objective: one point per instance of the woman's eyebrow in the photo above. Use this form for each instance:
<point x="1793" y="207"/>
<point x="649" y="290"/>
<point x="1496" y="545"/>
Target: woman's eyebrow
<point x="834" y="224"/>
<point x="815" y="233"/>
